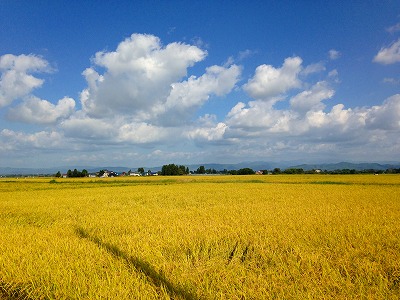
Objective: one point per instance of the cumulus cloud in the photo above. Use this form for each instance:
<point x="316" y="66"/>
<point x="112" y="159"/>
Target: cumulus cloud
<point x="389" y="55"/>
<point x="259" y="121"/>
<point x="339" y="125"/>
<point x="144" y="91"/>
<point x="141" y="95"/>
<point x="209" y="134"/>
<point x="37" y="111"/>
<point x="307" y="121"/>
<point x="191" y="94"/>
<point x="257" y="117"/>
<point x="16" y="80"/>
<point x="269" y="81"/>
<point x="385" y="116"/>
<point x="312" y="98"/>
<point x="138" y="75"/>
<point x="143" y="133"/>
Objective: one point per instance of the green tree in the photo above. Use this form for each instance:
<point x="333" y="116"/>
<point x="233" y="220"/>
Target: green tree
<point x="173" y="169"/>
<point x="181" y="170"/>
<point x="276" y="171"/>
<point x="201" y="170"/>
<point x="58" y="174"/>
<point x="245" y="171"/>
<point x="140" y="170"/>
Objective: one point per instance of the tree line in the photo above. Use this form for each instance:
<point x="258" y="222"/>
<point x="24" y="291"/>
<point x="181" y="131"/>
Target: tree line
<point x="176" y="170"/>
<point x="74" y="173"/>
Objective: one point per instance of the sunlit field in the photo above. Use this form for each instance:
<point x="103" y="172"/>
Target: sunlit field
<point x="201" y="237"/>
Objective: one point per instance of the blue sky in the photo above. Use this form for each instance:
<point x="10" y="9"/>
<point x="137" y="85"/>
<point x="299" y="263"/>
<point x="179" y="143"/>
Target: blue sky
<point x="138" y="83"/>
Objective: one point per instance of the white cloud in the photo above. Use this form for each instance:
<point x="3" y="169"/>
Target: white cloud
<point x="116" y="131"/>
<point x="39" y="140"/>
<point x="209" y="133"/>
<point x="142" y="94"/>
<point x="389" y="55"/>
<point x="85" y="128"/>
<point x="385" y="116"/>
<point x="337" y="125"/>
<point x="257" y="117"/>
<point x="137" y="95"/>
<point x="193" y="93"/>
<point x="143" y="133"/>
<point x="306" y="121"/>
<point x="311" y="99"/>
<point x="270" y="82"/>
<point x="261" y="120"/>
<point x="338" y="115"/>
<point x="37" y="111"/>
<point x="313" y="68"/>
<point x="138" y="75"/>
<point x="333" y="54"/>
<point x="24" y="63"/>
<point x="16" y="80"/>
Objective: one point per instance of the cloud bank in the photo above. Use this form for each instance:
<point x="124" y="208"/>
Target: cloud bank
<point x="142" y="100"/>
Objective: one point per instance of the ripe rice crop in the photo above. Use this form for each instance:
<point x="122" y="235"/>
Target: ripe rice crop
<point x="201" y="237"/>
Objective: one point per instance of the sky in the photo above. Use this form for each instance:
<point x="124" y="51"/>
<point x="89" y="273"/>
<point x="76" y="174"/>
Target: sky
<point x="147" y="83"/>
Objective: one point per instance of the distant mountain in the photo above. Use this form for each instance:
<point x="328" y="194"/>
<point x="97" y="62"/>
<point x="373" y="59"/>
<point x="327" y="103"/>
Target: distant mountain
<point x="347" y="165"/>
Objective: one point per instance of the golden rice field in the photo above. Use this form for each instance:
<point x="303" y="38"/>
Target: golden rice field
<point x="201" y="237"/>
